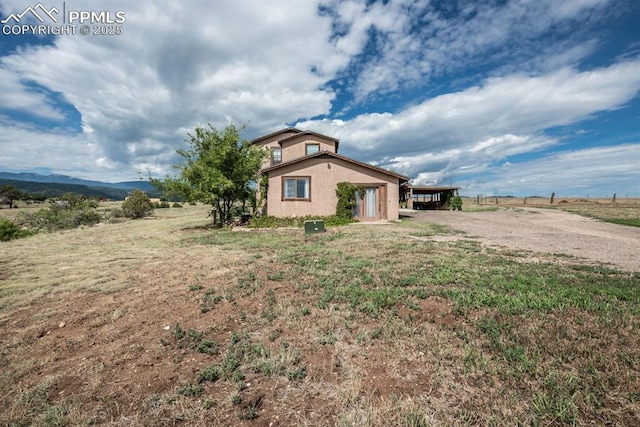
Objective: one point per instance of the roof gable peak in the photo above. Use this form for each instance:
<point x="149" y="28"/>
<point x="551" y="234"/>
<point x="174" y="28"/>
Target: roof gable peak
<point x="309" y="132"/>
<point x="272" y="134"/>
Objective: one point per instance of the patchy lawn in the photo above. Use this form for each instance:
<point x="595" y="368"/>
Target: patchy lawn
<point x="166" y="322"/>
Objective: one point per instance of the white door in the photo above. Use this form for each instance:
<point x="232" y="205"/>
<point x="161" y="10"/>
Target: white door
<point x="371" y="203"/>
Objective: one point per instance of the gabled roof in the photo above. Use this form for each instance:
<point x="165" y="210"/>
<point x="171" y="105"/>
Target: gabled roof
<point x="309" y="132"/>
<point x="297" y="132"/>
<point x="337" y="156"/>
<point x="285" y="130"/>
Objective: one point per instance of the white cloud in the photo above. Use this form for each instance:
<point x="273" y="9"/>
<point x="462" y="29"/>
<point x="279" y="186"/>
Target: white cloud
<point x="416" y="42"/>
<point x="25" y="148"/>
<point x="175" y="67"/>
<point x="271" y="63"/>
<point x="16" y="96"/>
<point x="482" y="125"/>
<point x="569" y="174"/>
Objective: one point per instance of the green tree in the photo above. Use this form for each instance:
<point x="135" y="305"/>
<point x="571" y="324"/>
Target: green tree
<point x="218" y="170"/>
<point x="10" y="193"/>
<point x="137" y="205"/>
<point x="74" y="201"/>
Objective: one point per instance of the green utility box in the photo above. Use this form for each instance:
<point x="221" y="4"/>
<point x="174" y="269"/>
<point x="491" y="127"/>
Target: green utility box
<point x="314" y="226"/>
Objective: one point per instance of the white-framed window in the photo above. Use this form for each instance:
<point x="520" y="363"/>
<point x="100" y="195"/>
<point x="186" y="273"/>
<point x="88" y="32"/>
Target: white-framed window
<point x="276" y="156"/>
<point x="296" y="188"/>
<point x="312" y="148"/>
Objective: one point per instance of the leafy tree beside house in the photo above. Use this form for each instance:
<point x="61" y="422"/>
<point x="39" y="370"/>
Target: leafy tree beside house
<point x="218" y="170"/>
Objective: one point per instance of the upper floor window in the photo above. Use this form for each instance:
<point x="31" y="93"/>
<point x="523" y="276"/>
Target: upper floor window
<point x="312" y="148"/>
<point x="276" y="156"/>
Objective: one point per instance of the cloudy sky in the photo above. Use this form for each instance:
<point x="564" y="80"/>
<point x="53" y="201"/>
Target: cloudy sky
<point x="520" y="97"/>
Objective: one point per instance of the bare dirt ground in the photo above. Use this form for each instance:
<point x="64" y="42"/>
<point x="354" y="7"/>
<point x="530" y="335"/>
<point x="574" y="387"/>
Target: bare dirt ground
<point x="89" y="335"/>
<point x="545" y="231"/>
<point x="107" y="325"/>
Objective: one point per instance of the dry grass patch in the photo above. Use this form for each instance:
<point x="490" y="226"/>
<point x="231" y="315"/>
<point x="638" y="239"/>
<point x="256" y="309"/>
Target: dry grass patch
<point x="624" y="210"/>
<point x="166" y="322"/>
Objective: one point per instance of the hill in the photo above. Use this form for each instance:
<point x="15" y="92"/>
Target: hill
<point x="65" y="179"/>
<point x="54" y="189"/>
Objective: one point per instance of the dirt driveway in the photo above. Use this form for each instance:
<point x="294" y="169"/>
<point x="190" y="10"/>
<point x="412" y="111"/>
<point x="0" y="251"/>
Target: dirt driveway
<point x="546" y="231"/>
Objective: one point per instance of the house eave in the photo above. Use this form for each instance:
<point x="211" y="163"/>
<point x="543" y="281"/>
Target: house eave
<point x="402" y="178"/>
<point x="272" y="134"/>
<point x="309" y="132"/>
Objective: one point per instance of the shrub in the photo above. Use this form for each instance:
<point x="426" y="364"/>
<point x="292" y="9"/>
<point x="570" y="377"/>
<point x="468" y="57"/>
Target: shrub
<point x="275" y="222"/>
<point x="160" y="205"/>
<point x="191" y="390"/>
<point x="335" y="220"/>
<point x="69" y="211"/>
<point x="9" y="231"/>
<point x="117" y="213"/>
<point x="455" y="203"/>
<point x="346" y="193"/>
<point x="211" y="373"/>
<point x="137" y="205"/>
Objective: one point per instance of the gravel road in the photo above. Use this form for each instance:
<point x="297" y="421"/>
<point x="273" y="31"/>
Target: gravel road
<point x="546" y="231"/>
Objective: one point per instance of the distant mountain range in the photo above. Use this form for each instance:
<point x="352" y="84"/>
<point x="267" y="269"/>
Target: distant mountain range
<point x="65" y="179"/>
<point x="56" y="185"/>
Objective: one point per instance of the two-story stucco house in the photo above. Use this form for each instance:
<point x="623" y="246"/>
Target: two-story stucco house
<point x="304" y="169"/>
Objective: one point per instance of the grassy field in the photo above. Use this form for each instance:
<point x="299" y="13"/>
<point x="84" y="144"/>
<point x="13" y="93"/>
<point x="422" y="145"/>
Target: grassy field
<point x="166" y="322"/>
<point x="625" y="211"/>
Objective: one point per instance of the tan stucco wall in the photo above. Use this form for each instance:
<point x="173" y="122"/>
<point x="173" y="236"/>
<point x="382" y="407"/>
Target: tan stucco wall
<point x="272" y="142"/>
<point x="296" y="147"/>
<point x="325" y="174"/>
